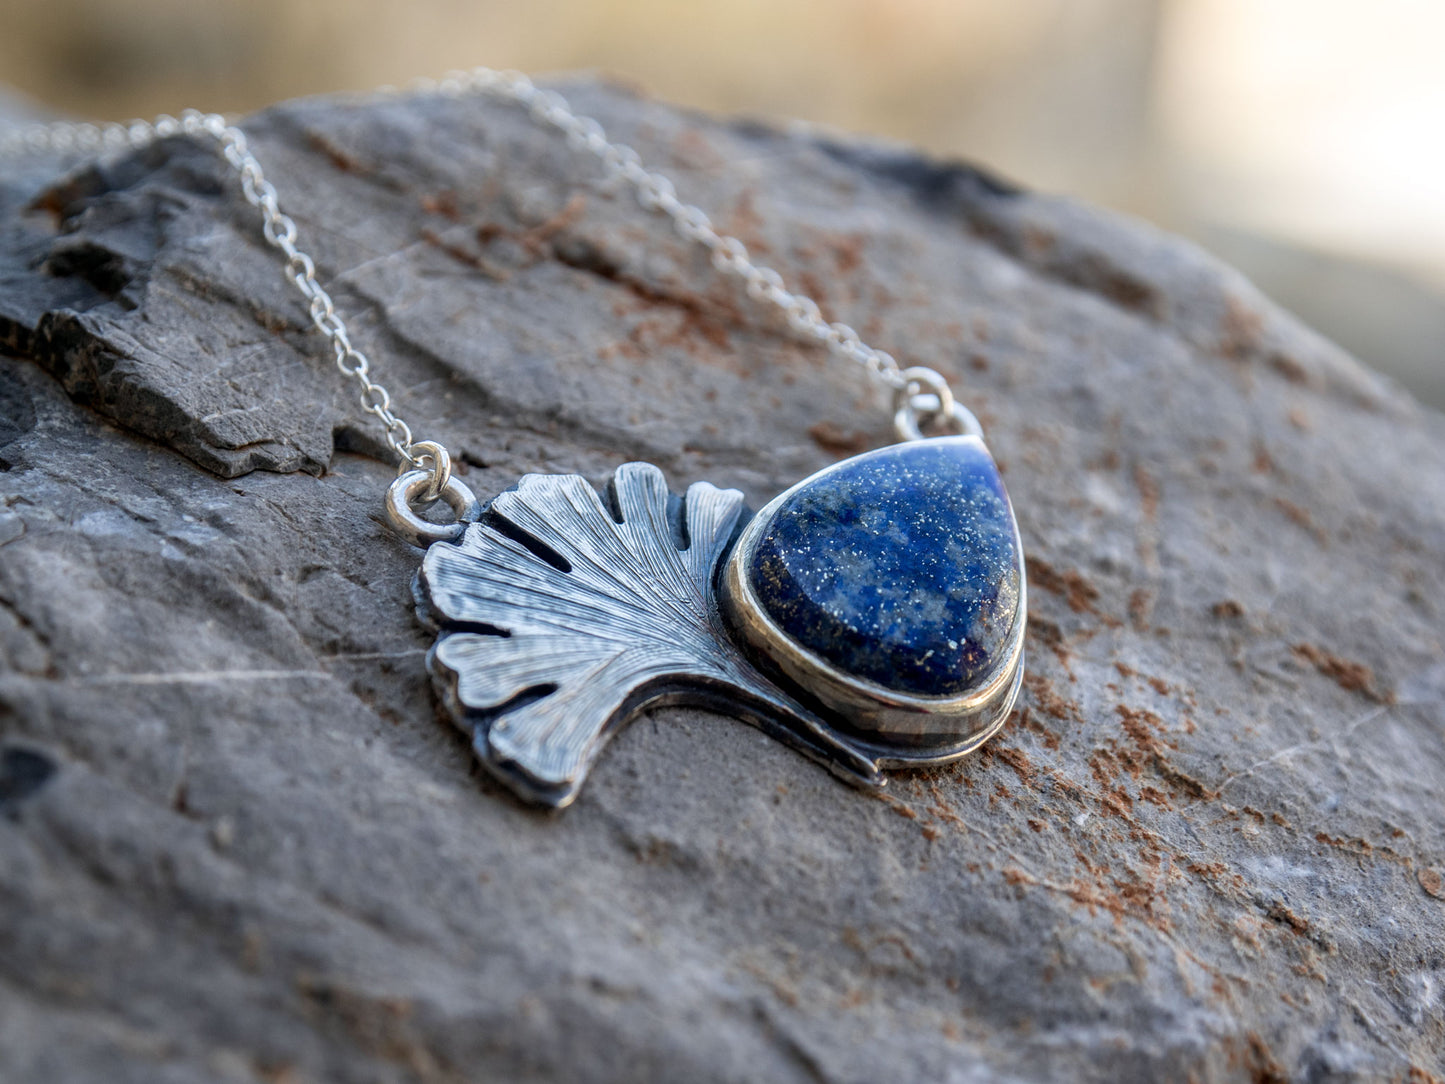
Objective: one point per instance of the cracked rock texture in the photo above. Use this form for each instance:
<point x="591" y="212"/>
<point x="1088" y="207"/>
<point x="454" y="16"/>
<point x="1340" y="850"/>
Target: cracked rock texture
<point x="237" y="844"/>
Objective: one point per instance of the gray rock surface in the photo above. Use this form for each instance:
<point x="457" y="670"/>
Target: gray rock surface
<point x="237" y="844"/>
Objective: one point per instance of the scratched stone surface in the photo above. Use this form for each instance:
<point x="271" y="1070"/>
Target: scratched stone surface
<point x="237" y="844"/>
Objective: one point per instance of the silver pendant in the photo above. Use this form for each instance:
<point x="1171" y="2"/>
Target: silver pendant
<point x="872" y="616"/>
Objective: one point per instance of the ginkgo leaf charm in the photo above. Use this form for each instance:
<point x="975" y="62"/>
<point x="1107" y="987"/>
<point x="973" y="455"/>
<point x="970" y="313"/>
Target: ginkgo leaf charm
<point x="561" y="618"/>
<point x="871" y="616"/>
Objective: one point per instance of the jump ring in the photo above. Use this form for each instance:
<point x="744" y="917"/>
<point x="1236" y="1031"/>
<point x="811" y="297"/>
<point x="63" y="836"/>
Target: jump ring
<point x="407" y="488"/>
<point x="905" y="419"/>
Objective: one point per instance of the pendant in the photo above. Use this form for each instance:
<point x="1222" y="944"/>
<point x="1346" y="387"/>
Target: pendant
<point x="872" y="616"/>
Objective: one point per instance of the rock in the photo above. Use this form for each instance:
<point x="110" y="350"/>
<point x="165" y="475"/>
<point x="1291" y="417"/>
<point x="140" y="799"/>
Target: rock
<point x="236" y="843"/>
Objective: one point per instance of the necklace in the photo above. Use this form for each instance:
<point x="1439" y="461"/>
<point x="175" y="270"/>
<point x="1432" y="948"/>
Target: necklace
<point x="872" y="615"/>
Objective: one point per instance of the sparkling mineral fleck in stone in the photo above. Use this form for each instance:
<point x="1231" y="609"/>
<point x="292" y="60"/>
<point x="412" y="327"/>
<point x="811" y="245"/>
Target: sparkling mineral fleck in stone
<point x="899" y="566"/>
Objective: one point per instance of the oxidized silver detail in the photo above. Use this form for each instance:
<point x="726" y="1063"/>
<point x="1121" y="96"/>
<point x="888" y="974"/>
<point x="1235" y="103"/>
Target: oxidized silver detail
<point x="561" y="617"/>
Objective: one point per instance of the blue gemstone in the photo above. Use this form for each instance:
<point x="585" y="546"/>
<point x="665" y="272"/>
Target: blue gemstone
<point x="900" y="566"/>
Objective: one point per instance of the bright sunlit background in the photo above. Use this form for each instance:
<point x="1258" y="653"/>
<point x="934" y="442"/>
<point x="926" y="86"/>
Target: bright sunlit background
<point x="1302" y="140"/>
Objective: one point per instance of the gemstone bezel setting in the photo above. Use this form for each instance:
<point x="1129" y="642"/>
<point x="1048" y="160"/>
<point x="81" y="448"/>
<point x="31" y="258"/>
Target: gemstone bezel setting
<point x="898" y="728"/>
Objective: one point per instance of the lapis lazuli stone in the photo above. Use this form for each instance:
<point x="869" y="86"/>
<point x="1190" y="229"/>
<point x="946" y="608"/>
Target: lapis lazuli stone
<point x="900" y="566"/>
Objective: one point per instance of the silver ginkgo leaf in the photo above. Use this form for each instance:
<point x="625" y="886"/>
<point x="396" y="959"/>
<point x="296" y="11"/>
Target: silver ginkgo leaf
<point x="561" y="617"/>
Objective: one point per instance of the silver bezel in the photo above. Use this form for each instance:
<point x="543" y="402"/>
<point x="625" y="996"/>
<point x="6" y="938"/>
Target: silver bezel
<point x="898" y="729"/>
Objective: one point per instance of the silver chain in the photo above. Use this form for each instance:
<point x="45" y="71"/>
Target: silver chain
<point x="919" y="393"/>
<point x="655" y="192"/>
<point x="278" y="227"/>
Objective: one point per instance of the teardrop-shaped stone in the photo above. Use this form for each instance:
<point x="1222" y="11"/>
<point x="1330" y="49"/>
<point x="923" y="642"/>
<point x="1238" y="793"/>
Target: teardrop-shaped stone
<point x="900" y="566"/>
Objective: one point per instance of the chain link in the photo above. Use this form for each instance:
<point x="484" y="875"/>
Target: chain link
<point x="654" y="192"/>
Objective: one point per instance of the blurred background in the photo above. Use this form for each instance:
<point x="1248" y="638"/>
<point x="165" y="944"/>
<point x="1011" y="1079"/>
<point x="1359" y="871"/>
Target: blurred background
<point x="1301" y="140"/>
